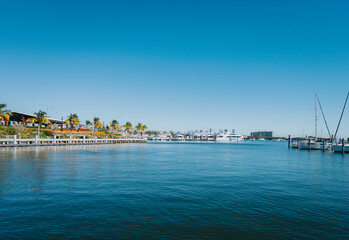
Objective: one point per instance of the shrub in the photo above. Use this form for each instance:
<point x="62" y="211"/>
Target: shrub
<point x="47" y="133"/>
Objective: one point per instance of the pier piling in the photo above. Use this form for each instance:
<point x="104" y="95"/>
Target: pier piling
<point x="309" y="144"/>
<point x="289" y="141"/>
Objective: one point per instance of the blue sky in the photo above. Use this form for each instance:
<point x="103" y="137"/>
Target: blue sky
<point x="179" y="65"/>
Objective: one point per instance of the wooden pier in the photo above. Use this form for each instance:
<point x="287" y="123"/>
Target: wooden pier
<point x="14" y="142"/>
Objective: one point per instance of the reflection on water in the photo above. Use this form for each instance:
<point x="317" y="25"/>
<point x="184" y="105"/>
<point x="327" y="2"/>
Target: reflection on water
<point x="173" y="190"/>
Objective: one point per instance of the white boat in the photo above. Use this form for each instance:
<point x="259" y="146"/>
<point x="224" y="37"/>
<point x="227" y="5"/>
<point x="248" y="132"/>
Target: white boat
<point x="338" y="148"/>
<point x="294" y="144"/>
<point x="309" y="144"/>
<point x="229" y="137"/>
<point x="178" y="137"/>
<point x="210" y="137"/>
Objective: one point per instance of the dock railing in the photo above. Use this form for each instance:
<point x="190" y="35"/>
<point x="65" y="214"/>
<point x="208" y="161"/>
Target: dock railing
<point x="15" y="142"/>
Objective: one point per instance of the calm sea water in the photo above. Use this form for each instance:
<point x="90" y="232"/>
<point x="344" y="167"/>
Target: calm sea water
<point x="174" y="190"/>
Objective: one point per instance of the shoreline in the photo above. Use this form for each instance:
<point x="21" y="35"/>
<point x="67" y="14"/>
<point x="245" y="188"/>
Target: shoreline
<point x="63" y="142"/>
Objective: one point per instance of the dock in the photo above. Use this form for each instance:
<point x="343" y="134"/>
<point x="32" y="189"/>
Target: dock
<point x="64" y="142"/>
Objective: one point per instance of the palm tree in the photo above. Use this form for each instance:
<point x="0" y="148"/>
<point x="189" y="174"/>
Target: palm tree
<point x="128" y="127"/>
<point x="140" y="127"/>
<point x="4" y="114"/>
<point x="40" y="118"/>
<point x="115" y="126"/>
<point x="96" y="124"/>
<point x="87" y="122"/>
<point x="72" y="120"/>
<point x="144" y="127"/>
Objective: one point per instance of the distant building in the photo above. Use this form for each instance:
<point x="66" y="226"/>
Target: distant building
<point x="262" y="134"/>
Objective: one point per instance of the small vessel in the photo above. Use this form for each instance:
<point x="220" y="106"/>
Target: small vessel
<point x="229" y="137"/>
<point x="339" y="148"/>
<point x="314" y="143"/>
<point x="178" y="137"/>
<point x="310" y="144"/>
<point x="294" y="144"/>
<point x="280" y="140"/>
<point x="210" y="137"/>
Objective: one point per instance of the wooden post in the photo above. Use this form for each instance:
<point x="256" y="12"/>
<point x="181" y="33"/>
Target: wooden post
<point x="298" y="143"/>
<point x="289" y="141"/>
<point x="343" y="146"/>
<point x="309" y="144"/>
<point x="323" y="145"/>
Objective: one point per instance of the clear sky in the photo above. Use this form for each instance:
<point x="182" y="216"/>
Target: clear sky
<point x="178" y="65"/>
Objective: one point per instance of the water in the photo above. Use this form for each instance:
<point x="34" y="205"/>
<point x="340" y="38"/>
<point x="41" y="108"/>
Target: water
<point x="174" y="190"/>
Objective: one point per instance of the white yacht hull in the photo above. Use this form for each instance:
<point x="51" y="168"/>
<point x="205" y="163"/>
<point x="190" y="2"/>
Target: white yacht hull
<point x="312" y="145"/>
<point x="228" y="140"/>
<point x="338" y="148"/>
<point x="294" y="145"/>
<point x="229" y="137"/>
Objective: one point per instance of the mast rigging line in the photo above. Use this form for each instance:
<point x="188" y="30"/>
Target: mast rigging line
<point x="340" y="119"/>
<point x="315" y="115"/>
<point x="323" y="115"/>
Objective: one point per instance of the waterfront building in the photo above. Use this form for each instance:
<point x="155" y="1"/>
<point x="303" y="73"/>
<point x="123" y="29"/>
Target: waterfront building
<point x="262" y="134"/>
<point x="19" y="117"/>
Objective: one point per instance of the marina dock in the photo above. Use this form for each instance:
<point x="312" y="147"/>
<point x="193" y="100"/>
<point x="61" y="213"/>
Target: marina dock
<point x="64" y="142"/>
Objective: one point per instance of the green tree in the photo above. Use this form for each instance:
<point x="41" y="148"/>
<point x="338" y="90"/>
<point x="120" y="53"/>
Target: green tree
<point x="128" y="127"/>
<point x="96" y="124"/>
<point x="141" y="127"/>
<point x="5" y="114"/>
<point x="114" y="126"/>
<point x="40" y="118"/>
<point x="72" y="120"/>
<point x="87" y="123"/>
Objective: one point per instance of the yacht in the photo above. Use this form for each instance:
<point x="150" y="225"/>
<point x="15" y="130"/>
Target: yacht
<point x="309" y="144"/>
<point x="339" y="148"/>
<point x="229" y="137"/>
<point x="179" y="137"/>
<point x="210" y="137"/>
<point x="294" y="144"/>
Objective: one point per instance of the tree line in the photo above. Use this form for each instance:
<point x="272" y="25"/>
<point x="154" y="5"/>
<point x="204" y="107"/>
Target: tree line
<point x="73" y="120"/>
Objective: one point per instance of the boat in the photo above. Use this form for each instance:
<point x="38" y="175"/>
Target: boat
<point x="229" y="137"/>
<point x="210" y="137"/>
<point x="294" y="144"/>
<point x="314" y="143"/>
<point x="310" y="144"/>
<point x="339" y="148"/>
<point x="178" y="137"/>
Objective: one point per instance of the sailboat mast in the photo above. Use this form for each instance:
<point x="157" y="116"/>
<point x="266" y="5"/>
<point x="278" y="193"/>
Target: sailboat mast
<point x="315" y="115"/>
<point x="323" y="115"/>
<point x="340" y="119"/>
